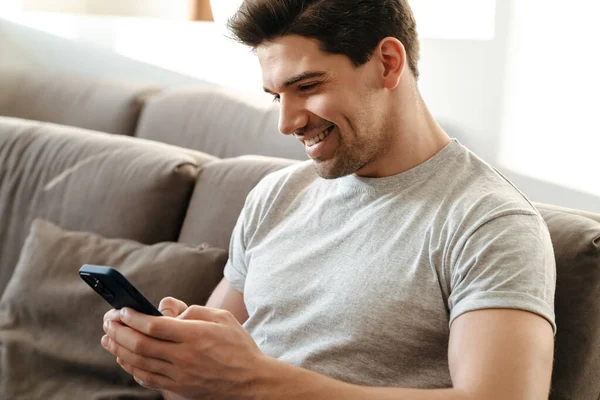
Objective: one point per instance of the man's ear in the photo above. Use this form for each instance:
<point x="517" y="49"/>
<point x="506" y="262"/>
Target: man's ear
<point x="392" y="56"/>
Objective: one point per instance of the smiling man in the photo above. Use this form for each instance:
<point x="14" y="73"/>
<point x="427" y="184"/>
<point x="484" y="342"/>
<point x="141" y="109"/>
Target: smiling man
<point x="395" y="264"/>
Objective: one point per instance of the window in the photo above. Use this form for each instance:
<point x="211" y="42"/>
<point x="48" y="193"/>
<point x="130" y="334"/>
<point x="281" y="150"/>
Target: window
<point x="551" y="129"/>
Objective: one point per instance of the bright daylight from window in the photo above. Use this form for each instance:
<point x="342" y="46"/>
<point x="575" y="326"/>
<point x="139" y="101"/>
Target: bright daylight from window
<point x="455" y="19"/>
<point x="551" y="129"/>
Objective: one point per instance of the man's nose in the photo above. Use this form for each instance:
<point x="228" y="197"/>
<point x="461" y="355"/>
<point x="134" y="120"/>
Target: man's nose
<point x="292" y="115"/>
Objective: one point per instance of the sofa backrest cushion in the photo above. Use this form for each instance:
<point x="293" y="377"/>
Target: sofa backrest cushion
<point x="220" y="194"/>
<point x="101" y="105"/>
<point x="217" y="121"/>
<point x="115" y="186"/>
<point x="576" y="241"/>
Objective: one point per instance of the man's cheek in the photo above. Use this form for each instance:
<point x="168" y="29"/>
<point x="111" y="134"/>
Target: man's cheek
<point x="324" y="107"/>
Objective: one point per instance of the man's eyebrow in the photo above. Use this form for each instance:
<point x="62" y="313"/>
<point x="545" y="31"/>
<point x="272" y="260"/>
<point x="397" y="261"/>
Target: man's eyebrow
<point x="299" y="78"/>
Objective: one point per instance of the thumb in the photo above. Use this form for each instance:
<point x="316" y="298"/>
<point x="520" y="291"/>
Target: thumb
<point x="171" y="307"/>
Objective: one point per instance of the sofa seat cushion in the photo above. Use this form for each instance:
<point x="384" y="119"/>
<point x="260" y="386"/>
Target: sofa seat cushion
<point x="220" y="194"/>
<point x="102" y="105"/>
<point x="576" y="241"/>
<point x="116" y="186"/>
<point x="51" y="320"/>
<point x="217" y="121"/>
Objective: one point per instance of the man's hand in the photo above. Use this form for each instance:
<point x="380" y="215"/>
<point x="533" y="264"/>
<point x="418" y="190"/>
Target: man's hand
<point x="191" y="352"/>
<point x="169" y="307"/>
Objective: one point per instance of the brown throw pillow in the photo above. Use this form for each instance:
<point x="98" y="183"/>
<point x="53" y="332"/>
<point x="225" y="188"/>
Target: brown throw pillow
<point x="51" y="321"/>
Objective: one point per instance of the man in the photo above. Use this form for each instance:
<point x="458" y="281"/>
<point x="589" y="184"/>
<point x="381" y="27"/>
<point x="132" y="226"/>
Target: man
<point x="393" y="265"/>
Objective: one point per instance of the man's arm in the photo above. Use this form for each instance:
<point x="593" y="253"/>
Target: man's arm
<point x="494" y="354"/>
<point x="506" y="353"/>
<point x="225" y="297"/>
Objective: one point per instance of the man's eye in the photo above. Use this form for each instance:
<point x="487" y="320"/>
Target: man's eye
<point x="276" y="98"/>
<point x="306" y="88"/>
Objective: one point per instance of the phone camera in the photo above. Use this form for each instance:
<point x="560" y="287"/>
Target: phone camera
<point x="102" y="289"/>
<point x="98" y="286"/>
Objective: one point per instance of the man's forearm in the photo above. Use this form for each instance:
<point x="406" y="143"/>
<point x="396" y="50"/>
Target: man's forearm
<point x="281" y="380"/>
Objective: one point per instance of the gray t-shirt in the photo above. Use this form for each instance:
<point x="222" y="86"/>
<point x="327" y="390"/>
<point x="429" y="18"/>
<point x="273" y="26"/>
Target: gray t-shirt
<point x="359" y="278"/>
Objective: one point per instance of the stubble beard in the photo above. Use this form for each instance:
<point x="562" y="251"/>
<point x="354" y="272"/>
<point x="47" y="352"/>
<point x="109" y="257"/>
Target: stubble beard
<point x="347" y="159"/>
<point x="355" y="152"/>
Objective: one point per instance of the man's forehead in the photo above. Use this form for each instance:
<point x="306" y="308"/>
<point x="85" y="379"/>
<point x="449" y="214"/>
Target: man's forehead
<point x="289" y="45"/>
<point x="285" y="58"/>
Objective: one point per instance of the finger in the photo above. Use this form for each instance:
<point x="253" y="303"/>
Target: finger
<point x="137" y="342"/>
<point x="207" y="314"/>
<point x="127" y="357"/>
<point x="131" y="370"/>
<point x="127" y="367"/>
<point x="112" y="315"/>
<point x="107" y="323"/>
<point x="152" y="381"/>
<point x="171" y="307"/>
<point x="167" y="329"/>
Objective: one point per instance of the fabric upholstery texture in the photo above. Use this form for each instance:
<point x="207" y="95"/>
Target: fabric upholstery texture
<point x="218" y="122"/>
<point x="219" y="196"/>
<point x="571" y="211"/>
<point x="51" y="321"/>
<point x="576" y="241"/>
<point x="106" y="106"/>
<point x="116" y="186"/>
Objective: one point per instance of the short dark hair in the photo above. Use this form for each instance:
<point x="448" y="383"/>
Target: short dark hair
<point x="350" y="27"/>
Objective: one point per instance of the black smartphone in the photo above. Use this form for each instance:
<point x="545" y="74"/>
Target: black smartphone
<point x="116" y="289"/>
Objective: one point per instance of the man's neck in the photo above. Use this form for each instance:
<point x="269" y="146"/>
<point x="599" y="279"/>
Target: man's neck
<point x="417" y="138"/>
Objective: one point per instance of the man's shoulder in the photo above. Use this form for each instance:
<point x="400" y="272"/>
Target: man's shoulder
<point x="479" y="193"/>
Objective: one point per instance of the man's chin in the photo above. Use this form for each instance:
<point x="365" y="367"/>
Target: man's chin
<point x="329" y="170"/>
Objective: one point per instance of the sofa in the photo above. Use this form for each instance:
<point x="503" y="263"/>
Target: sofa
<point x="151" y="180"/>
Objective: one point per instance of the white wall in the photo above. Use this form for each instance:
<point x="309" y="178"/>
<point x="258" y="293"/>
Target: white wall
<point x="166" y="9"/>
<point x="551" y="98"/>
<point x="463" y="81"/>
<point x="26" y="48"/>
<point x="169" y="9"/>
<point x="467" y="86"/>
<point x="71" y="6"/>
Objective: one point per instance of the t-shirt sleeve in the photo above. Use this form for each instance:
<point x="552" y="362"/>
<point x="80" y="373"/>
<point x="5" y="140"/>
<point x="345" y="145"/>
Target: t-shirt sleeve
<point x="507" y="262"/>
<point x="236" y="268"/>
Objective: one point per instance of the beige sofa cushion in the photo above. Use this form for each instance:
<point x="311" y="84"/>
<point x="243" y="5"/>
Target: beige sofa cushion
<point x="576" y="241"/>
<point x="51" y="321"/>
<point x="220" y="194"/>
<point x="217" y="121"/>
<point x="101" y="105"/>
<point x="113" y="185"/>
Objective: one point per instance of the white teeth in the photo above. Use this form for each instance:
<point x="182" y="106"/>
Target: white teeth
<point x="318" y="138"/>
